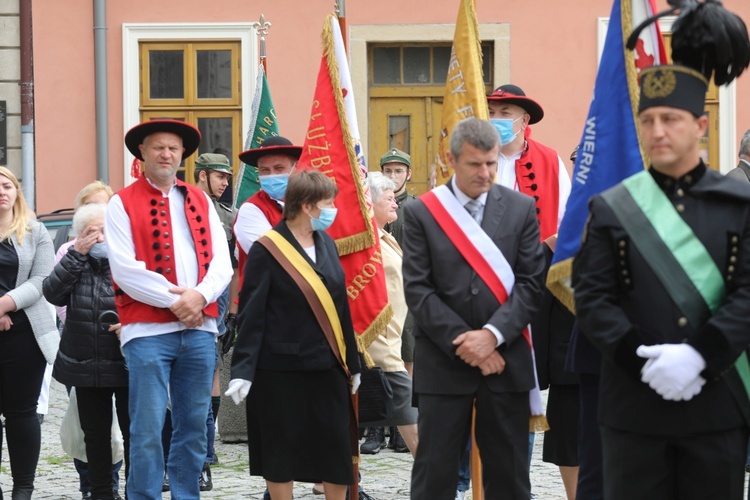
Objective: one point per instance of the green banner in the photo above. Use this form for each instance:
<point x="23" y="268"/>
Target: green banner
<point x="263" y="124"/>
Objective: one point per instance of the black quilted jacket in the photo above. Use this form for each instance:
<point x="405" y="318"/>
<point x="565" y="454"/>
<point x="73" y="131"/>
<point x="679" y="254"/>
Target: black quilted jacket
<point x="89" y="355"/>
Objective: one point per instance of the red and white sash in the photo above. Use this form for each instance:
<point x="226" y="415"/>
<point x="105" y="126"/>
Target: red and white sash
<point x="483" y="256"/>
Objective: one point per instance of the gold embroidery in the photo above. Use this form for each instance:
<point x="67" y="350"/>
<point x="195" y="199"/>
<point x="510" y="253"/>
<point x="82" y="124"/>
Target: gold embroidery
<point x="659" y="83"/>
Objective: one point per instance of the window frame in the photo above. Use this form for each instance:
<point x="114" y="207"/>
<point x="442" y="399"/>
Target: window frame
<point x="135" y="33"/>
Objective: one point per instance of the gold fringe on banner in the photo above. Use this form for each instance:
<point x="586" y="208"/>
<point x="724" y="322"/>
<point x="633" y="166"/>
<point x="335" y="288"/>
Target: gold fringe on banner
<point x="367" y="238"/>
<point x="558" y="282"/>
<point x="353" y="243"/>
<point x="626" y="13"/>
<point x="377" y="326"/>
<point x="538" y="423"/>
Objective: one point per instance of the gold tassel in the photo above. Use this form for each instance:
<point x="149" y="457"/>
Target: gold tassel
<point x="354" y="243"/>
<point x="538" y="423"/>
<point x="558" y="279"/>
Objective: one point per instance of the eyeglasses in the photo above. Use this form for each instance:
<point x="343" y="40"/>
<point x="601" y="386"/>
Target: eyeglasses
<point x="398" y="171"/>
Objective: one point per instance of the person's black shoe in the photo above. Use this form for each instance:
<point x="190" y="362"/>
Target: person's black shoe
<point x="362" y="496"/>
<point x="375" y="441"/>
<point x="399" y="445"/>
<point x="165" y="483"/>
<point x="205" y="479"/>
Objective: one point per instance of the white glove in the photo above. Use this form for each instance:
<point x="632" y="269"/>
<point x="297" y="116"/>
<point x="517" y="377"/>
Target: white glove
<point x="238" y="389"/>
<point x="356" y="380"/>
<point x="671" y="368"/>
<point x="693" y="389"/>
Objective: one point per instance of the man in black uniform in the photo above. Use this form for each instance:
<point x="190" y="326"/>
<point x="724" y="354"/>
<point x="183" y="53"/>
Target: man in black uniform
<point x="662" y="289"/>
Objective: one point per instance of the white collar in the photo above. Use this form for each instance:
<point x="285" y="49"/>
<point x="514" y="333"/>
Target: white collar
<point x="463" y="198"/>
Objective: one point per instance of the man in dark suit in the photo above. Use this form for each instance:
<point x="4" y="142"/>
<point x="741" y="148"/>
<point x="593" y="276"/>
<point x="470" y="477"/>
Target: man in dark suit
<point x="742" y="170"/>
<point x="465" y="337"/>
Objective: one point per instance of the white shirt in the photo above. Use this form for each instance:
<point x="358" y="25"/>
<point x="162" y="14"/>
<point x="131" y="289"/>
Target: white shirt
<point x="152" y="288"/>
<point x="463" y="199"/>
<point x="506" y="176"/>
<point x="250" y="225"/>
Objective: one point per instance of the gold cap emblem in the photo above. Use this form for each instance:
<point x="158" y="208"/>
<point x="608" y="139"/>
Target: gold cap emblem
<point x="659" y="83"/>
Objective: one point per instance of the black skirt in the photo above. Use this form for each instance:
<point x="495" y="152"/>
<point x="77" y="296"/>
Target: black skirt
<point x="561" y="440"/>
<point x="298" y="426"/>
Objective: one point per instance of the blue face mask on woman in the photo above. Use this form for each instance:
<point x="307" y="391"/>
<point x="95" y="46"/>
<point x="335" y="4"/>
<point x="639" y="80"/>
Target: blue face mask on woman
<point x="504" y="127"/>
<point x="99" y="250"/>
<point x="324" y="220"/>
<point x="274" y="185"/>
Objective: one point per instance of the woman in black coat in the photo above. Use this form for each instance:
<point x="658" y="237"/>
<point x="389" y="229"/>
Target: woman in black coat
<point x="90" y="358"/>
<point x="298" y="409"/>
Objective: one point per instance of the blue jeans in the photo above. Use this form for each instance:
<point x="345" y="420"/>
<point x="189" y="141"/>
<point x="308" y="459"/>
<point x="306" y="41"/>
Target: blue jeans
<point x="223" y="303"/>
<point x="210" y="422"/>
<point x="181" y="363"/>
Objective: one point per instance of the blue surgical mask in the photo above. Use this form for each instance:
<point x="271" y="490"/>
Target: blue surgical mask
<point x="274" y="185"/>
<point x="324" y="220"/>
<point x="99" y="250"/>
<point x="504" y="127"/>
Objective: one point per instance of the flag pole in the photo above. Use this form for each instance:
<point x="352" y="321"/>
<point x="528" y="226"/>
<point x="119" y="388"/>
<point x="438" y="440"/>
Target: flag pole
<point x="340" y="9"/>
<point x="262" y="27"/>
<point x="341" y="15"/>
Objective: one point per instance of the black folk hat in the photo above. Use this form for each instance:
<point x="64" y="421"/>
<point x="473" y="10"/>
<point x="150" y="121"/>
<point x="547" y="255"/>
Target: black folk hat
<point x="512" y="94"/>
<point x="274" y="145"/>
<point x="673" y="86"/>
<point x="191" y="136"/>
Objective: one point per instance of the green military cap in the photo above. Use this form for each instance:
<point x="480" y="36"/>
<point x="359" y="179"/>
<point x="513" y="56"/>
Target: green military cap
<point x="396" y="155"/>
<point x="213" y="161"/>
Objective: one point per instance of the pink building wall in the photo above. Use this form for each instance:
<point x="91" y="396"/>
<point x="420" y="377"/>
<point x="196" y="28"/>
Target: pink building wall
<point x="553" y="58"/>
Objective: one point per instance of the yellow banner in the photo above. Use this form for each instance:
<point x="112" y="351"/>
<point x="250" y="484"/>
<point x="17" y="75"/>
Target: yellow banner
<point x="464" y="86"/>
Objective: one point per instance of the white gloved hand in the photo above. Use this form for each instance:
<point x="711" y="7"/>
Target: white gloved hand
<point x="238" y="389"/>
<point x="693" y="389"/>
<point x="356" y="380"/>
<point x="671" y="368"/>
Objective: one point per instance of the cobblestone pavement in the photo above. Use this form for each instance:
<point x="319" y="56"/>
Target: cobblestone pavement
<point x="386" y="475"/>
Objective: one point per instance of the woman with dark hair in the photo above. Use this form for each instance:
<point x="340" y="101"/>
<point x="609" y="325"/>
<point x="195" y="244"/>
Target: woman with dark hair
<point x="296" y="349"/>
<point x="28" y="337"/>
<point x="90" y="358"/>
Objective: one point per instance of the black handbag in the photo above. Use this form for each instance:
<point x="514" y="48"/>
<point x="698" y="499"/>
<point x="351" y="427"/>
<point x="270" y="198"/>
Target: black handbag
<point x="375" y="396"/>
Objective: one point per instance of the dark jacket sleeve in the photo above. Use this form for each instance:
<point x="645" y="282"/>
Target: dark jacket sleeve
<point x="595" y="282"/>
<point x="251" y="320"/>
<point x="58" y="286"/>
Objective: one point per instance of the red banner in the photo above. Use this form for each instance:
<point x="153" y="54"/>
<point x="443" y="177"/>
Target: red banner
<point x="332" y="147"/>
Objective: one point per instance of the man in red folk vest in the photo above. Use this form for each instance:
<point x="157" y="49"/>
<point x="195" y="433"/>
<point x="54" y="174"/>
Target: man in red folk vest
<point x="526" y="165"/>
<point x="275" y="158"/>
<point x="170" y="262"/>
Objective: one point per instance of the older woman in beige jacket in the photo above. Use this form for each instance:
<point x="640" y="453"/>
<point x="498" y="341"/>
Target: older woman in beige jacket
<point x="385" y="350"/>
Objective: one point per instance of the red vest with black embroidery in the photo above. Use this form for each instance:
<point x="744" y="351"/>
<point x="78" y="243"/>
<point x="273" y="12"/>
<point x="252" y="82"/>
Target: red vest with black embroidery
<point x="537" y="175"/>
<point x="153" y="239"/>
<point x="272" y="210"/>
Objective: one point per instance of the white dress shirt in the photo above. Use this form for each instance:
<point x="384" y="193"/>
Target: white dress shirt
<point x="152" y="288"/>
<point x="250" y="225"/>
<point x="506" y="176"/>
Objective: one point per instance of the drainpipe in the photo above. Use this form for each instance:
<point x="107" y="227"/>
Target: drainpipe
<point x="27" y="105"/>
<point x="100" y="70"/>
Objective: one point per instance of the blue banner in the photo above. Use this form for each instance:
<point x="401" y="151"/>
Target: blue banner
<point x="609" y="150"/>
